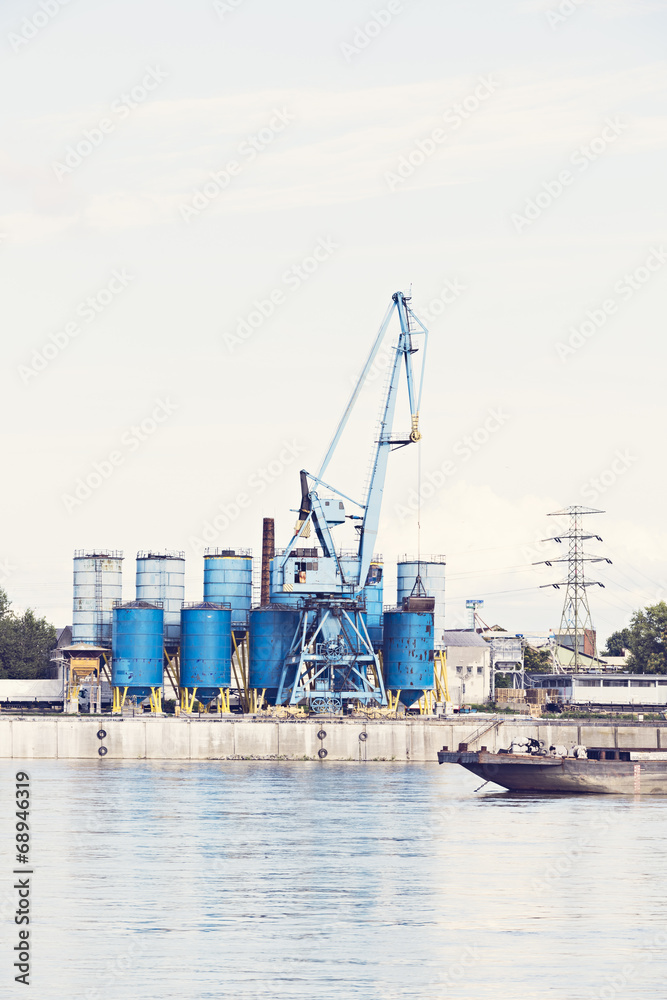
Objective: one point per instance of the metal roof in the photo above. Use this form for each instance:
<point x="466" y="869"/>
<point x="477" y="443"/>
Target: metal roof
<point x="463" y="639"/>
<point x="591" y="675"/>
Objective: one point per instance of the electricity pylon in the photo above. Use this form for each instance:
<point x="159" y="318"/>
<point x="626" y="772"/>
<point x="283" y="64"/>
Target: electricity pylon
<point x="576" y="617"/>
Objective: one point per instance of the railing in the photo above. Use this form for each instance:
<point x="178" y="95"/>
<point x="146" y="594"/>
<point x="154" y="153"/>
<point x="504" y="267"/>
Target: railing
<point x="354" y="554"/>
<point x="98" y="553"/>
<point x="341" y="553"/>
<point x="166" y="554"/>
<point x="483" y="730"/>
<point x="229" y="553"/>
<point x="119" y="603"/>
<point x="206" y="604"/>
<point x="314" y="552"/>
<point x="442" y="560"/>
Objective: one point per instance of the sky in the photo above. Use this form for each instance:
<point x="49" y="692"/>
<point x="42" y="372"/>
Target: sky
<point x="205" y="211"/>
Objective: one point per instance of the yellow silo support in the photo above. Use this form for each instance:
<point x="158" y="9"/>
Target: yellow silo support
<point x="106" y="669"/>
<point x="393" y="700"/>
<point x="187" y="699"/>
<point x="440" y="674"/>
<point x="118" y="700"/>
<point x="172" y="665"/>
<point x="426" y="703"/>
<point x="239" y="686"/>
<point x="241" y="662"/>
<point x="156" y="700"/>
<point x="245" y="660"/>
<point x="255" y="700"/>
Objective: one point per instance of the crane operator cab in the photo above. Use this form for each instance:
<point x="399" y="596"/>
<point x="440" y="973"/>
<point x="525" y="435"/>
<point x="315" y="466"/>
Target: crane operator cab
<point x="334" y="511"/>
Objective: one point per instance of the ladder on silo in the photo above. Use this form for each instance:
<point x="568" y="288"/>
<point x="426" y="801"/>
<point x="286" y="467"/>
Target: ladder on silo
<point x="99" y="638"/>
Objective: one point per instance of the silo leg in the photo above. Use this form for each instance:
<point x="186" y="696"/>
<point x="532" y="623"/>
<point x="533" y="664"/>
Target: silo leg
<point x="156" y="700"/>
<point x="118" y="700"/>
<point x="393" y="700"/>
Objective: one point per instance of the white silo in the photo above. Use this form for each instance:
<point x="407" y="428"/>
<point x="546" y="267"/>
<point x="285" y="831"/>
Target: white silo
<point x="98" y="582"/>
<point x="161" y="577"/>
<point x="431" y="569"/>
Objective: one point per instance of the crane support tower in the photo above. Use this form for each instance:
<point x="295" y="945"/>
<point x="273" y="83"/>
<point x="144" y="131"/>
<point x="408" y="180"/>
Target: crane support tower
<point x="331" y="661"/>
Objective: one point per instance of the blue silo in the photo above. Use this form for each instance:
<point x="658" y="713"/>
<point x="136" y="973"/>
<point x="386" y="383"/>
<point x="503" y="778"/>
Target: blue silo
<point x="408" y="653"/>
<point x="272" y="630"/>
<point x="137" y="650"/>
<point x="228" y="580"/>
<point x="206" y="649"/>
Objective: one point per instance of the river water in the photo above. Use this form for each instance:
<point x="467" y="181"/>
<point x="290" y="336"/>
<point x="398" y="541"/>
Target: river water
<point x="325" y="880"/>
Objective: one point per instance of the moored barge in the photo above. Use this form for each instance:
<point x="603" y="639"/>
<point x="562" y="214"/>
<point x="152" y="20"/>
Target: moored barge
<point x="584" y="769"/>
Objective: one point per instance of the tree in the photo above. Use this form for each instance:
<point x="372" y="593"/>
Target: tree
<point x="25" y="642"/>
<point x="647" y="640"/>
<point x="7" y="635"/>
<point x="617" y="643"/>
<point x="537" y="661"/>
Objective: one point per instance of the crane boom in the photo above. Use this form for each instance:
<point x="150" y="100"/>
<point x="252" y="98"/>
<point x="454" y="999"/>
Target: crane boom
<point x="385" y="442"/>
<point x="331" y="657"/>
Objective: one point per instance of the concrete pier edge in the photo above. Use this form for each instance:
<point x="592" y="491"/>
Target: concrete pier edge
<point x="242" y="738"/>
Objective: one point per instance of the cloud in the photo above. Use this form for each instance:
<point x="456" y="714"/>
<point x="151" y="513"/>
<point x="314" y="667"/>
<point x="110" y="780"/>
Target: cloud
<point x="605" y="8"/>
<point x="31" y="227"/>
<point x="339" y="147"/>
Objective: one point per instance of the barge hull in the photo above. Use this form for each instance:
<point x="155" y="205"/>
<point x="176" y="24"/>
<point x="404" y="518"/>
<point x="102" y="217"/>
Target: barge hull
<point x="520" y="773"/>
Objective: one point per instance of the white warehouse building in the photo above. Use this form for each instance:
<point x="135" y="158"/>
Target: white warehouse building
<point x="468" y="659"/>
<point x="605" y="690"/>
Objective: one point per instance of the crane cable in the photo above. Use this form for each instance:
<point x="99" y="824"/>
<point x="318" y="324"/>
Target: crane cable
<point x="419" y="590"/>
<point x="419" y="509"/>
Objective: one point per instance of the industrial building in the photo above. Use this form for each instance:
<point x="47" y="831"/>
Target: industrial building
<point x="468" y="658"/>
<point x="601" y="690"/>
<point x="320" y="639"/>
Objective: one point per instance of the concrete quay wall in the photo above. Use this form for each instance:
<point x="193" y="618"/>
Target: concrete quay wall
<point x="238" y="738"/>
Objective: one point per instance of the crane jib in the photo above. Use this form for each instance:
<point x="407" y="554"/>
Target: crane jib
<point x="331" y="658"/>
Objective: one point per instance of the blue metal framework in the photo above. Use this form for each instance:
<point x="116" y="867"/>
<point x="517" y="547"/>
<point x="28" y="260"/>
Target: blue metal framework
<point x="331" y="659"/>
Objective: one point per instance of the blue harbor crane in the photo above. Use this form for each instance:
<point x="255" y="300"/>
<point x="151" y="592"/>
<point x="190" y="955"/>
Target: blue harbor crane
<point x="330" y="660"/>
